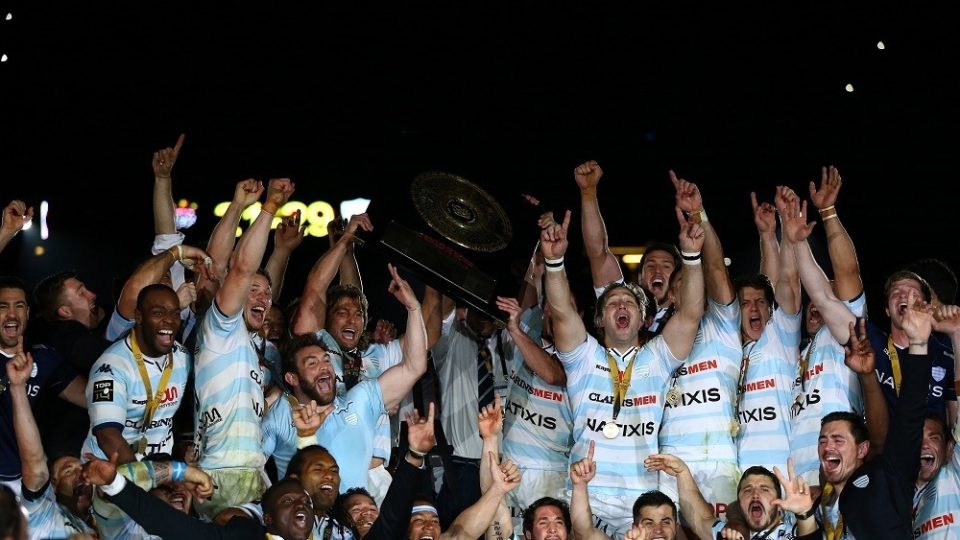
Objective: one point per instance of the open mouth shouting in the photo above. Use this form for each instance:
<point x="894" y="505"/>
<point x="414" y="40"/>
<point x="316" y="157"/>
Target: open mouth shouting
<point x="301" y="520"/>
<point x="165" y="338"/>
<point x="324" y="383"/>
<point x="622" y="319"/>
<point x="756" y="323"/>
<point x="257" y="313"/>
<point x="831" y="464"/>
<point x="349" y="336"/>
<point x="178" y="501"/>
<point x="756" y="512"/>
<point x="657" y="286"/>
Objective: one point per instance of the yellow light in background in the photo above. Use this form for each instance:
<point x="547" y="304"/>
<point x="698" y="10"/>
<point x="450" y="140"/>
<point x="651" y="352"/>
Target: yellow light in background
<point x="315" y="215"/>
<point x="632" y="258"/>
<point x="39" y="251"/>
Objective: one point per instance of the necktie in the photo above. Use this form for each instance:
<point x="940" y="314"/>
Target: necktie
<point x="484" y="374"/>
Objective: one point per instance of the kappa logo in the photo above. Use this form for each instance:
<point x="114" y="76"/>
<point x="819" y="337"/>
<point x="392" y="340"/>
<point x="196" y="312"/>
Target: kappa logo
<point x="862" y="481"/>
<point x="938" y="373"/>
<point x="352" y="419"/>
<point x="102" y="391"/>
<point x="105" y="368"/>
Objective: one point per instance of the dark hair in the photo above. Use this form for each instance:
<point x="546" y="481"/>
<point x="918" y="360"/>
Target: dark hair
<point x="142" y="295"/>
<point x="906" y="274"/>
<point x="47" y="294"/>
<point x="652" y="498"/>
<point x="939" y="276"/>
<point x="11" y="519"/>
<point x="662" y="246"/>
<point x="58" y="456"/>
<point x="756" y="281"/>
<point x="757" y="470"/>
<point x="13" y="282"/>
<point x="529" y="512"/>
<point x="342" y="498"/>
<point x="270" y="495"/>
<point x="639" y="295"/>
<point x="942" y="422"/>
<point x="295" y="467"/>
<point x="294" y="345"/>
<point x="857" y="427"/>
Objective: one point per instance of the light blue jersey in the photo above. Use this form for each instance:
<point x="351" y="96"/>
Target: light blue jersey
<point x="538" y="418"/>
<point x="826" y="386"/>
<point x="117" y="397"/>
<point x="118" y="326"/>
<point x="698" y="427"/>
<point x="784" y="530"/>
<point x="937" y="504"/>
<point x="230" y="401"/>
<point x="376" y="359"/>
<point x="49" y="519"/>
<point x="619" y="460"/>
<point x="348" y="432"/>
<point x="764" y="437"/>
<point x="280" y="433"/>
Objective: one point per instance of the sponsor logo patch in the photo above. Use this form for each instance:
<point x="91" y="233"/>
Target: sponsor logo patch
<point x="102" y="391"/>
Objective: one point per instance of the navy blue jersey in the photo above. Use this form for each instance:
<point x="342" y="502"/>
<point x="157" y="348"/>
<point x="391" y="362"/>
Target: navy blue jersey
<point x="941" y="388"/>
<point x="50" y="376"/>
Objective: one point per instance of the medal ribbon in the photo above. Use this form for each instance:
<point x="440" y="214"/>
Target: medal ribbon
<point x="153" y="400"/>
<point x="894" y="363"/>
<point x="621" y="380"/>
<point x="830" y="531"/>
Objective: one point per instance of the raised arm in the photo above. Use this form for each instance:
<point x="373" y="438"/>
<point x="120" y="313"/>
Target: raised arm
<point x="603" y="264"/>
<point x="16" y="215"/>
<point x="843" y="255"/>
<point x="312" y="312"/>
<point x="715" y="273"/>
<point x="398" y="380"/>
<point x="544" y="365"/>
<point x="765" y="218"/>
<point x="472" y="522"/>
<point x="349" y="269"/>
<point x="696" y="511"/>
<point x="287" y="237"/>
<point x="164" y="210"/>
<point x="153" y="270"/>
<point x="681" y="329"/>
<point x="220" y="245"/>
<point x="836" y="314"/>
<point x="581" y="473"/>
<point x="787" y="286"/>
<point x="32" y="459"/>
<point x="568" y="328"/>
<point x="249" y="253"/>
<point x="859" y="356"/>
<point x="490" y="421"/>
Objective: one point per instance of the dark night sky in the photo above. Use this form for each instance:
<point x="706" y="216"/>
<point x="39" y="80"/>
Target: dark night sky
<point x="355" y="100"/>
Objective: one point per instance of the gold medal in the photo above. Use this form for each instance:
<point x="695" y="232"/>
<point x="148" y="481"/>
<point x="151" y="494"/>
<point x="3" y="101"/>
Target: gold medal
<point x="734" y="427"/>
<point x="674" y="396"/>
<point x="142" y="446"/>
<point x="611" y="430"/>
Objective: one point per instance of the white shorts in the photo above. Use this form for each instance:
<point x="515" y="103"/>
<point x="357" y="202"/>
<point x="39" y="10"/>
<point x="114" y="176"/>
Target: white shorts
<point x="717" y="483"/>
<point x="535" y="484"/>
<point x="378" y="482"/>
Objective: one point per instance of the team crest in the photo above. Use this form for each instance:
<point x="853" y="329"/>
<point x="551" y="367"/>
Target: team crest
<point x="938" y="373"/>
<point x="862" y="481"/>
<point x="34" y="371"/>
<point x="352" y="419"/>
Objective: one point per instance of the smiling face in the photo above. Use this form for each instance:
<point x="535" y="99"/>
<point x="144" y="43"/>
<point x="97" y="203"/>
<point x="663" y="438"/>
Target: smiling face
<point x="14" y="314"/>
<point x="259" y="300"/>
<point x="902" y="293"/>
<point x="315" y="378"/>
<point x="621" y="318"/>
<point x="812" y="320"/>
<point x="289" y="512"/>
<point x="755" y="311"/>
<point x="65" y="475"/>
<point x="345" y="322"/>
<point x="320" y="477"/>
<point x="658" y="522"/>
<point x="756" y="496"/>
<point x="424" y="524"/>
<point x="935" y="450"/>
<point x="274" y="325"/>
<point x="548" y="524"/>
<point x="77" y="303"/>
<point x="655" y="273"/>
<point x="839" y="452"/>
<point x="158" y="320"/>
<point x="175" y="494"/>
<point x="362" y="510"/>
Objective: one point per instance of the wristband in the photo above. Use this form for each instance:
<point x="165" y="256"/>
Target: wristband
<point x="807" y="514"/>
<point x="115" y="486"/>
<point x="417" y="453"/>
<point x="698" y="216"/>
<point x="690" y="255"/>
<point x="178" y="471"/>
<point x="827" y="209"/>
<point x="266" y="212"/>
<point x="691" y="262"/>
<point x="831" y="216"/>
<point x="553" y="262"/>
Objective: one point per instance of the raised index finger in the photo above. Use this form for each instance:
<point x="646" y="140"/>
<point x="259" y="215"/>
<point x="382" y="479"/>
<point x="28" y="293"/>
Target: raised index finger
<point x="176" y="147"/>
<point x="593" y="445"/>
